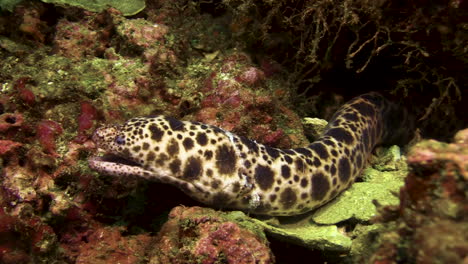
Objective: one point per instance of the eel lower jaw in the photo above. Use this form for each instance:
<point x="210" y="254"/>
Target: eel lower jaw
<point x="112" y="158"/>
<point x="115" y="165"/>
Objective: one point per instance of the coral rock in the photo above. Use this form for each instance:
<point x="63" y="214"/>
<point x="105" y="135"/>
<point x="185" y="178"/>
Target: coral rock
<point x="432" y="216"/>
<point x="107" y="245"/>
<point x="200" y="235"/>
<point x="79" y="39"/>
<point x="8" y="145"/>
<point x="9" y="120"/>
<point x="252" y="76"/>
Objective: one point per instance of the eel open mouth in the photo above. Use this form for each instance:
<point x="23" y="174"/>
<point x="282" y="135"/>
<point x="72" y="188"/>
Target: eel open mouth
<point x="112" y="164"/>
<point x="112" y="158"/>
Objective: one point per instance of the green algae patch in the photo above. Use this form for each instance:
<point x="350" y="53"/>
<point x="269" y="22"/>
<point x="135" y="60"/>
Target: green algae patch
<point x="300" y="231"/>
<point x="314" y="126"/>
<point x="356" y="203"/>
<point x="323" y="237"/>
<point x="390" y="160"/>
<point x="14" y="47"/>
<point x="54" y="78"/>
<point x="128" y="8"/>
<point x="247" y="222"/>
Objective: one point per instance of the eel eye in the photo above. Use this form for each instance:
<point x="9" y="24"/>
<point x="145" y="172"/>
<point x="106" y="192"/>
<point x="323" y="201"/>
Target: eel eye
<point x="120" y="140"/>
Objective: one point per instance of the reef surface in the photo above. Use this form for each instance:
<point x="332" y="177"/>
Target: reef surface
<point x="256" y="69"/>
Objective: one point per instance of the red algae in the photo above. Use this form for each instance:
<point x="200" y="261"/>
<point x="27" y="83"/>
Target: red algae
<point x="25" y="94"/>
<point x="47" y="131"/>
<point x="87" y="117"/>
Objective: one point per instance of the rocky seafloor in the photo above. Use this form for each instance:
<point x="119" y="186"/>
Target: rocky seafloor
<point x="66" y="70"/>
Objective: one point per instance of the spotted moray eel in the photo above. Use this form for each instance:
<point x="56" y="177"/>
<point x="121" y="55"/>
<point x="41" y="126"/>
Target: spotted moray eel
<point x="224" y="170"/>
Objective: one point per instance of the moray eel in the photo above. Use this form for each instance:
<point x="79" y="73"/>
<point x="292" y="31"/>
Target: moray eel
<point x="224" y="170"/>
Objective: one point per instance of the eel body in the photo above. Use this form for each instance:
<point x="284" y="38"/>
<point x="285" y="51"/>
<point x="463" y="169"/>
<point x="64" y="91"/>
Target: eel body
<point x="224" y="170"/>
